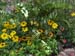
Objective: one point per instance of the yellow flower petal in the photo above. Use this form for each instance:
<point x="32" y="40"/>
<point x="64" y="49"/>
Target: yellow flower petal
<point x="2" y="45"/>
<point x="4" y="36"/>
<point x="23" y="23"/>
<point x="54" y="25"/>
<point x="73" y="14"/>
<point x="6" y="24"/>
<point x="13" y="33"/>
<point x="15" y="38"/>
<point x="25" y="29"/>
<point x="4" y="30"/>
<point x="50" y="22"/>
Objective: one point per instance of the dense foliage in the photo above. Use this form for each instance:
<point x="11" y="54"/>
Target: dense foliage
<point x="35" y="27"/>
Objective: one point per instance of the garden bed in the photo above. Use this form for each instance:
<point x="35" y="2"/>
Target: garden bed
<point x="36" y="28"/>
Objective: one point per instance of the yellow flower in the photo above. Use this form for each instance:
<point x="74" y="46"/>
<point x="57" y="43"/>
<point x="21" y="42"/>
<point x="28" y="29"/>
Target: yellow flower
<point x="6" y="24"/>
<point x="51" y="34"/>
<point x="25" y="29"/>
<point x="29" y="42"/>
<point x="40" y="30"/>
<point x="12" y="26"/>
<point x="54" y="25"/>
<point x="23" y="23"/>
<point x="15" y="38"/>
<point x="50" y="22"/>
<point x="73" y="14"/>
<point x="4" y="30"/>
<point x="12" y="33"/>
<point x="2" y="45"/>
<point x="4" y="36"/>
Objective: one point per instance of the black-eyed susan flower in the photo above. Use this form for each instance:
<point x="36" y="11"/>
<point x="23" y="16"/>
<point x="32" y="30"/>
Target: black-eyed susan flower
<point x="40" y="30"/>
<point x="13" y="26"/>
<point x="4" y="30"/>
<point x="50" y="34"/>
<point x="4" y="36"/>
<point x="73" y="14"/>
<point x="25" y="29"/>
<point x="23" y="23"/>
<point x="54" y="25"/>
<point x="2" y="44"/>
<point x="6" y="24"/>
<point x="15" y="38"/>
<point x="50" y="22"/>
<point x="12" y="33"/>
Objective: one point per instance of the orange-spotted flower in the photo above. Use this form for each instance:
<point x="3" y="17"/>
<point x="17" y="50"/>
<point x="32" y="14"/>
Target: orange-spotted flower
<point x="12" y="33"/>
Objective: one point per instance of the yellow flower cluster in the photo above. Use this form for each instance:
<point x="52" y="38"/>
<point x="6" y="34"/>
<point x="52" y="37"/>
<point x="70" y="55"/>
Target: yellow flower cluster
<point x="9" y="31"/>
<point x="8" y="25"/>
<point x="23" y="24"/>
<point x="53" y="24"/>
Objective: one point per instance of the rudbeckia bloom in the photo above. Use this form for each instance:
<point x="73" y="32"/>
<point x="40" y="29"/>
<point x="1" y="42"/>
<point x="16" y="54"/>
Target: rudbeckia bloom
<point x="73" y="14"/>
<point x="4" y="36"/>
<point x="4" y="30"/>
<point x="54" y="25"/>
<point x="12" y="33"/>
<point x="15" y="38"/>
<point x="2" y="45"/>
<point x="6" y="24"/>
<point x="25" y="29"/>
<point x="51" y="34"/>
<point x="23" y="23"/>
<point x="12" y="26"/>
<point x="50" y="22"/>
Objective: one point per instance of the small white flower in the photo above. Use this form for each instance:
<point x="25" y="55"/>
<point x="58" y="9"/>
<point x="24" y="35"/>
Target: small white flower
<point x="26" y="14"/>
